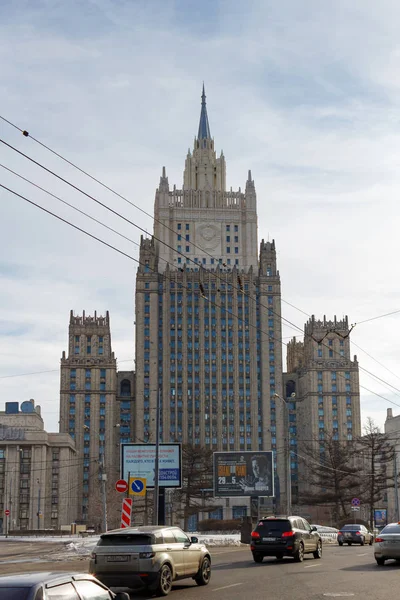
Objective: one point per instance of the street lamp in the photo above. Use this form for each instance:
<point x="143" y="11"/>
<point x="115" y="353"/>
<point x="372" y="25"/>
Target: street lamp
<point x="103" y="481"/>
<point x="288" y="467"/>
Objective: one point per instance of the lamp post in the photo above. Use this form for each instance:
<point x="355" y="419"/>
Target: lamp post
<point x="103" y="481"/>
<point x="288" y="468"/>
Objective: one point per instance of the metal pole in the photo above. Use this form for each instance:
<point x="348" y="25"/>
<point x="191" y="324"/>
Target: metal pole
<point x="156" y="466"/>
<point x="104" y="492"/>
<point x="289" y="479"/>
<point x="38" y="507"/>
<point x="396" y="489"/>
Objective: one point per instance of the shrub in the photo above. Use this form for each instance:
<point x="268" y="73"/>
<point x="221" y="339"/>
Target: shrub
<point x="219" y="525"/>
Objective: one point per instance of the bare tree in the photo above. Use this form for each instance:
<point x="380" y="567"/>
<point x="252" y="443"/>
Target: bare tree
<point x="197" y="481"/>
<point x="376" y="453"/>
<point x="332" y="476"/>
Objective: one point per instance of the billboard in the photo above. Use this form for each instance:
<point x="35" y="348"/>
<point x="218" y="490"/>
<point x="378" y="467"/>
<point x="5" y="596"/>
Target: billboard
<point x="138" y="460"/>
<point x="243" y="474"/>
<point x="380" y="517"/>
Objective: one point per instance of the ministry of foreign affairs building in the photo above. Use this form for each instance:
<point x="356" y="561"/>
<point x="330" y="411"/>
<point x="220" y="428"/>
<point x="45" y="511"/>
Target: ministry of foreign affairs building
<point x="208" y="315"/>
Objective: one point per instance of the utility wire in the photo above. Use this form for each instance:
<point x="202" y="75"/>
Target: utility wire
<point x="136" y="260"/>
<point x="26" y="134"/>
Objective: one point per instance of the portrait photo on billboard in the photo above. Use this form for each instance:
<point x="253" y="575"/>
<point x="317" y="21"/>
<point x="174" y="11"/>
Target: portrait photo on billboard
<point x="243" y="474"/>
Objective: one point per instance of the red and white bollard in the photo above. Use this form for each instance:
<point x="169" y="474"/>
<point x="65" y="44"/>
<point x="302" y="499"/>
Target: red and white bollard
<point x="126" y="513"/>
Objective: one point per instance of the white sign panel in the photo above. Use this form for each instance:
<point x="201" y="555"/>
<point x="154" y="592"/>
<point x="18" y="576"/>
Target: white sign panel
<point x="138" y="460"/>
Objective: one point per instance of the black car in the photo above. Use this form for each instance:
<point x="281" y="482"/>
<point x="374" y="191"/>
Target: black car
<point x="354" y="534"/>
<point x="53" y="586"/>
<point x="285" y="536"/>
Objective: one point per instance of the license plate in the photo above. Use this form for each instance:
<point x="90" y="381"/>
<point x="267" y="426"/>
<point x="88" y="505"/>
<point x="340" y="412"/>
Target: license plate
<point x="117" y="558"/>
<point x="269" y="539"/>
<point x="348" y="535"/>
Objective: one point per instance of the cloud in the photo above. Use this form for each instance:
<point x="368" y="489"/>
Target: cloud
<point x="294" y="92"/>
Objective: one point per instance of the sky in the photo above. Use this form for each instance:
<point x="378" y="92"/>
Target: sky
<point x="306" y="95"/>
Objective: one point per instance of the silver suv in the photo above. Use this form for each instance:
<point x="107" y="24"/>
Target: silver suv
<point x="151" y="556"/>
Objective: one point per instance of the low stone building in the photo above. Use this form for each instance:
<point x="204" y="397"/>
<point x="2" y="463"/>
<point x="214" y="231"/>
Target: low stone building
<point x="38" y="474"/>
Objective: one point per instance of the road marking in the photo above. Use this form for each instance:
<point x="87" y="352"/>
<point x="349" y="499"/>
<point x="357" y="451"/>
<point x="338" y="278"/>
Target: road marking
<point x="309" y="566"/>
<point x="339" y="594"/>
<point x="365" y="554"/>
<point x="225" y="587"/>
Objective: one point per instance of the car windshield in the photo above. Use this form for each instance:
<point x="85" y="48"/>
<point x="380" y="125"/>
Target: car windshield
<point x="351" y="527"/>
<point x="391" y="529"/>
<point x="13" y="593"/>
<point x="273" y="527"/>
<point x="133" y="539"/>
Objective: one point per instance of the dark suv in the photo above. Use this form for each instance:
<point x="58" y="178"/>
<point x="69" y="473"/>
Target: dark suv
<point x="354" y="534"/>
<point x="285" y="536"/>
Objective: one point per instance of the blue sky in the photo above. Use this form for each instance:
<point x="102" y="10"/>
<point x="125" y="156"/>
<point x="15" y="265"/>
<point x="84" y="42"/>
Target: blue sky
<point x="305" y="94"/>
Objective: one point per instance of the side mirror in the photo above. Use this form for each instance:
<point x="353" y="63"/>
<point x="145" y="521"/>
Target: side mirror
<point x="314" y="529"/>
<point x="194" y="540"/>
<point x="121" y="596"/>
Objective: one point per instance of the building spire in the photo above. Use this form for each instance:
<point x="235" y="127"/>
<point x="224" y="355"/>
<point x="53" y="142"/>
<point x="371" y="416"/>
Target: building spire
<point x="204" y="127"/>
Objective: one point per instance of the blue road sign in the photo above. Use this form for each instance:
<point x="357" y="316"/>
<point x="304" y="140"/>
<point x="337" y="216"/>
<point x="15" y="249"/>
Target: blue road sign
<point x="137" y="486"/>
<point x="355" y="502"/>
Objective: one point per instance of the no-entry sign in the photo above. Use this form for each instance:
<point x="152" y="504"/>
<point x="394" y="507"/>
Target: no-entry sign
<point x="121" y="486"/>
<point x="7" y="512"/>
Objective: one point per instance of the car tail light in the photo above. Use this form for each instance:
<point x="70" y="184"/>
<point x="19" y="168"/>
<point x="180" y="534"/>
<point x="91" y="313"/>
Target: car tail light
<point x="255" y="534"/>
<point x="147" y="554"/>
<point x="287" y="534"/>
<point x="378" y="539"/>
<point x="358" y="532"/>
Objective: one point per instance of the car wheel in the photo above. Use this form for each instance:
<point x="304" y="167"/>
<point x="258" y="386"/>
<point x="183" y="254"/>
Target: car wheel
<point x="340" y="543"/>
<point x="279" y="557"/>
<point x="258" y="558"/>
<point x="318" y="552"/>
<point x="380" y="561"/>
<point x="299" y="554"/>
<point x="349" y="543"/>
<point x="204" y="575"/>
<point x="362" y="541"/>
<point x="164" y="581"/>
<point x="371" y="541"/>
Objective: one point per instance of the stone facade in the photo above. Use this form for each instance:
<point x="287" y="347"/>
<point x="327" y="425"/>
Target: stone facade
<point x="208" y="315"/>
<point x="327" y="393"/>
<point x="392" y="430"/>
<point x="38" y="475"/>
<point x="88" y="407"/>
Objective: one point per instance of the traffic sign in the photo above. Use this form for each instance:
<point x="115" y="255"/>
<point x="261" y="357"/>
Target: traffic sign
<point x="355" y="502"/>
<point x="7" y="512"/>
<point x="137" y="486"/>
<point x="121" y="486"/>
<point x="355" y="508"/>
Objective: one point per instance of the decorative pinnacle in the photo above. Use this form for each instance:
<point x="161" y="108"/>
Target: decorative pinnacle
<point x="204" y="127"/>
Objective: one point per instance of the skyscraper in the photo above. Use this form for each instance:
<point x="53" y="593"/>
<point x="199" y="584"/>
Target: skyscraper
<point x="208" y="326"/>
<point x="326" y="382"/>
<point x="88" y="407"/>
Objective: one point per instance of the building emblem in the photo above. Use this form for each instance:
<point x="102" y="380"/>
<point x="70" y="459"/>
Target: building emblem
<point x="210" y="236"/>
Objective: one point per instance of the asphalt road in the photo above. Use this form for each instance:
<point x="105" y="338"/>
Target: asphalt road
<point x="348" y="572"/>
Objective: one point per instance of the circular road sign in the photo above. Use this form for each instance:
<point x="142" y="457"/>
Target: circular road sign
<point x="121" y="486"/>
<point x="7" y="512"/>
<point x="355" y="502"/>
<point x="137" y="486"/>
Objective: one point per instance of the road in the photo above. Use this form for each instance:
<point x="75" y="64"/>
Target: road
<point x="349" y="572"/>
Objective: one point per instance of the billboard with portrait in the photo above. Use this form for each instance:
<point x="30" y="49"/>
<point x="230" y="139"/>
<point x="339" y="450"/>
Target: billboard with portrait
<point x="243" y="474"/>
<point x="380" y="517"/>
<point x="138" y="460"/>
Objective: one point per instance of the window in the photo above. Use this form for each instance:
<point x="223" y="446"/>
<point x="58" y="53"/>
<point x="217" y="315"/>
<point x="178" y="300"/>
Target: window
<point x="66" y="590"/>
<point x="187" y="226"/>
<point x="168" y="537"/>
<point x="236" y="250"/>
<point x="228" y="227"/>
<point x="180" y="537"/>
<point x="236" y="227"/>
<point x="89" y="590"/>
<point x="125" y="389"/>
<point x="179" y="226"/>
<point x="228" y="238"/>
